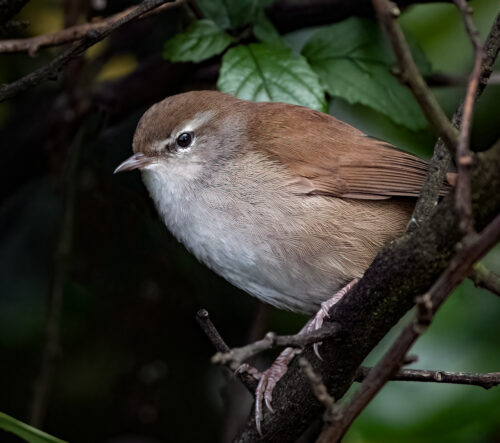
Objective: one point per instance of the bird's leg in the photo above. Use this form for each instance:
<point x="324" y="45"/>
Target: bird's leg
<point x="270" y="377"/>
<point x="317" y="320"/>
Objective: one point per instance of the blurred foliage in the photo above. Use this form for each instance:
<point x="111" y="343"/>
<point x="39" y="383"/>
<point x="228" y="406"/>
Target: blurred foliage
<point x="25" y="431"/>
<point x="133" y="364"/>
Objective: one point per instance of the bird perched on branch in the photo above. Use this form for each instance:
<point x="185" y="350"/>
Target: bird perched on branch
<point x="289" y="204"/>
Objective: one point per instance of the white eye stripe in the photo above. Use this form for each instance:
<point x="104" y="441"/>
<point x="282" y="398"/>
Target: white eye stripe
<point x="193" y="124"/>
<point x="190" y="126"/>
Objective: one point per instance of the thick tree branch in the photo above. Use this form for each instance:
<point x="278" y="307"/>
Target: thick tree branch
<point x="486" y="380"/>
<point x="388" y="13"/>
<point x="74" y="33"/>
<point x="474" y="247"/>
<point x="52" y="68"/>
<point x="404" y="270"/>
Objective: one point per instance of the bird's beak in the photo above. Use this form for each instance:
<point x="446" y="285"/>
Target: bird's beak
<point x="138" y="160"/>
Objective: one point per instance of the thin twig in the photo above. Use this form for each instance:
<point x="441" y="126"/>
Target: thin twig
<point x="388" y="13"/>
<point x="484" y="380"/>
<point x="203" y="319"/>
<point x="90" y="39"/>
<point x="320" y="390"/>
<point x="474" y="247"/>
<point x="485" y="278"/>
<point x="464" y="157"/>
<point x="33" y="44"/>
<point x="236" y="356"/>
<point x="441" y="159"/>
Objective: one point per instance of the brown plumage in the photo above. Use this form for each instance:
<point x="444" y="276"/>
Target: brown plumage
<point x="285" y="202"/>
<point x="332" y="158"/>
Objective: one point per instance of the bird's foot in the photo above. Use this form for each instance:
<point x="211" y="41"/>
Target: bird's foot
<point x="269" y="378"/>
<point x="317" y="321"/>
<point x="267" y="382"/>
<point x="249" y="369"/>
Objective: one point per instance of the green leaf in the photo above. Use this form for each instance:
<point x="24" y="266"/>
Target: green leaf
<point x="232" y="13"/>
<point x="216" y="11"/>
<point x="203" y="39"/>
<point x="265" y="31"/>
<point x="26" y="432"/>
<point x="353" y="61"/>
<point x="262" y="72"/>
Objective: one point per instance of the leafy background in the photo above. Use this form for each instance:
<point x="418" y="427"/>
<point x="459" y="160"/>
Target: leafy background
<point x="133" y="364"/>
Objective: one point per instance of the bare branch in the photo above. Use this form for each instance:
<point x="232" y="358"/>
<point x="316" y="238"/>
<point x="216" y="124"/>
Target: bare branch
<point x="319" y="390"/>
<point x="74" y="33"/>
<point x="485" y="278"/>
<point x="484" y="380"/>
<point x="440" y="162"/>
<point x="203" y="319"/>
<point x="473" y="247"/>
<point x="96" y="35"/>
<point x="236" y="356"/>
<point x="388" y="13"/>
<point x="464" y="157"/>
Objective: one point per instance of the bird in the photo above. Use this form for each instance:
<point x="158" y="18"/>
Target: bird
<point x="285" y="202"/>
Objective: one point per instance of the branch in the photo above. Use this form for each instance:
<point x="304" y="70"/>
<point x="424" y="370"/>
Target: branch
<point x="319" y="390"/>
<point x="74" y="33"/>
<point x="464" y="158"/>
<point x="485" y="278"/>
<point x="484" y="380"/>
<point x="440" y="162"/>
<point x="236" y="356"/>
<point x="203" y="319"/>
<point x="96" y="35"/>
<point x="388" y="13"/>
<point x="474" y="247"/>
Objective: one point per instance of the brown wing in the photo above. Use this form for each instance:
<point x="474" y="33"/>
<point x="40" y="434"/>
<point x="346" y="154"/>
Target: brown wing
<point x="330" y="157"/>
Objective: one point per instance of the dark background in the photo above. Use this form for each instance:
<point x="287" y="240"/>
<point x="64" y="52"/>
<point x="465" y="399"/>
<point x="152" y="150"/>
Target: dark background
<point x="133" y="365"/>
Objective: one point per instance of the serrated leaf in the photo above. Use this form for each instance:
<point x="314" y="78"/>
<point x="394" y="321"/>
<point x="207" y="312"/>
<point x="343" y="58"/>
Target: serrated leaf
<point x="265" y="31"/>
<point x="262" y="72"/>
<point x="26" y="432"/>
<point x="353" y="61"/>
<point x="203" y="39"/>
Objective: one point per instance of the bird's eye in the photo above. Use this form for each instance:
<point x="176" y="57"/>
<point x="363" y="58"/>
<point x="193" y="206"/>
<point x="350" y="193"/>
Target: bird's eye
<point x="184" y="139"/>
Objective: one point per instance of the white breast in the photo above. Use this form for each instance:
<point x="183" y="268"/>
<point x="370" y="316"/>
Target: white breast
<point x="255" y="233"/>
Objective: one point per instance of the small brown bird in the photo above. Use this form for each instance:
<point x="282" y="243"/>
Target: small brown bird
<point x="289" y="204"/>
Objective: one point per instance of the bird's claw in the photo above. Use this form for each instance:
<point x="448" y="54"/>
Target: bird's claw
<point x="267" y="382"/>
<point x="249" y="369"/>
